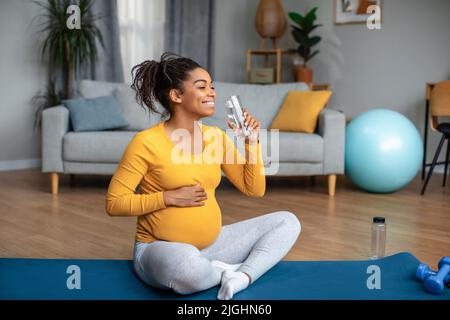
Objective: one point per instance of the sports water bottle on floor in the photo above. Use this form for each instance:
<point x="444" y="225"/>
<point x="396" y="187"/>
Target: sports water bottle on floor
<point x="378" y="241"/>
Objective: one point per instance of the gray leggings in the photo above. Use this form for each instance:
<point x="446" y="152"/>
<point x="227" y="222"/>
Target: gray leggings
<point x="258" y="243"/>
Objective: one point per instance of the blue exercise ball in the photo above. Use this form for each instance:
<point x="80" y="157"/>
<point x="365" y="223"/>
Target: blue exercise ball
<point x="383" y="151"/>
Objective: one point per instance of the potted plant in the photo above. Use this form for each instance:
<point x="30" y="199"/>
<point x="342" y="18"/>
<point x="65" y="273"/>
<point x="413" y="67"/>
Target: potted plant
<point x="301" y="30"/>
<point x="65" y="48"/>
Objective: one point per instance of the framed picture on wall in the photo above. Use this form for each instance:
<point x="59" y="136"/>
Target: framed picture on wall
<point x="355" y="11"/>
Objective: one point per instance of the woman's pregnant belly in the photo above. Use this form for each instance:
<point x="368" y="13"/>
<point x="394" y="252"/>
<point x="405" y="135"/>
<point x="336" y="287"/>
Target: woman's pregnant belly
<point x="199" y="226"/>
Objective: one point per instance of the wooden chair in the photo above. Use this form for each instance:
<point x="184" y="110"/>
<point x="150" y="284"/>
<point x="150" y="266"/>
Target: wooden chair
<point x="439" y="96"/>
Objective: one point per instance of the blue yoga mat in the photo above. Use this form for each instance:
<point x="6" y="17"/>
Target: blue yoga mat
<point x="289" y="280"/>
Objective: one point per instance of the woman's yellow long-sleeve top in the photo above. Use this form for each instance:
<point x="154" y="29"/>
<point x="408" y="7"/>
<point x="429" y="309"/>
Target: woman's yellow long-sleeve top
<point x="156" y="164"/>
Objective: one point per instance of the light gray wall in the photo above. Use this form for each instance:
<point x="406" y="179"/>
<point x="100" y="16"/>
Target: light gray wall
<point x="368" y="69"/>
<point x="21" y="75"/>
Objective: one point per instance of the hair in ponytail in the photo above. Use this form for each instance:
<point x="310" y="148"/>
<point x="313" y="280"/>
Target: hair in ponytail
<point x="153" y="80"/>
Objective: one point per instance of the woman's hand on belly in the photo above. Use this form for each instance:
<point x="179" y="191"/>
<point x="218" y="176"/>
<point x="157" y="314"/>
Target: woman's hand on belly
<point x="186" y="196"/>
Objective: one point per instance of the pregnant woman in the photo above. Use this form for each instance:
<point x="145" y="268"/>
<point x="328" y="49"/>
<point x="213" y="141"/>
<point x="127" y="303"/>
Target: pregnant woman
<point x="181" y="244"/>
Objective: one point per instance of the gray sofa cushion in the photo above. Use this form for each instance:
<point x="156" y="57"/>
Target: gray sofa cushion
<point x="263" y="101"/>
<point x="301" y="147"/>
<point x="139" y="118"/>
<point x="292" y="147"/>
<point x="93" y="88"/>
<point x="84" y="147"/>
<point x="101" y="146"/>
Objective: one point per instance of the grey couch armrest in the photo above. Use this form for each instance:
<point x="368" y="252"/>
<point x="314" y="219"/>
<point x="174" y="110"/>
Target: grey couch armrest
<point x="331" y="127"/>
<point x="55" y="124"/>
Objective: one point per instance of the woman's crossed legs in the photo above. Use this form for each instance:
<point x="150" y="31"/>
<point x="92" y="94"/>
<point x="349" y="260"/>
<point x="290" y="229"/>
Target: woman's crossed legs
<point x="247" y="248"/>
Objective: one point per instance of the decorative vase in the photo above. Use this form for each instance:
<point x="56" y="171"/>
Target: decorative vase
<point x="304" y="74"/>
<point x="270" y="20"/>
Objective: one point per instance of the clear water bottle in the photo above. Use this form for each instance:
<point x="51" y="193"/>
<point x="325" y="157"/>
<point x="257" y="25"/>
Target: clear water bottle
<point x="235" y="113"/>
<point x="378" y="242"/>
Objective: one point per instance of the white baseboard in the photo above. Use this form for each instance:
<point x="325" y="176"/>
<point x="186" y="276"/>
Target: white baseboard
<point x="439" y="169"/>
<point x="19" y="164"/>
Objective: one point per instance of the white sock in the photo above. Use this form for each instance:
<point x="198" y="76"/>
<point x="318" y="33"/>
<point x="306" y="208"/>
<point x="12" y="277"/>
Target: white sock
<point x="225" y="266"/>
<point x="232" y="282"/>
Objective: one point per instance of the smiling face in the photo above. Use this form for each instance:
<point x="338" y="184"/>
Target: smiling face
<point x="198" y="96"/>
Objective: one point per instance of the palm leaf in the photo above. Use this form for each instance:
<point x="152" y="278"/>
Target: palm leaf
<point x="82" y="43"/>
<point x="42" y="101"/>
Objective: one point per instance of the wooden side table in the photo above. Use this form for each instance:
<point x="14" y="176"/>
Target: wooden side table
<point x="265" y="52"/>
<point x="320" y="86"/>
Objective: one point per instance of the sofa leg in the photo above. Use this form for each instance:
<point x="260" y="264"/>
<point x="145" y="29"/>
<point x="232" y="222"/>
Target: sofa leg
<point x="331" y="184"/>
<point x="72" y="180"/>
<point x="54" y="180"/>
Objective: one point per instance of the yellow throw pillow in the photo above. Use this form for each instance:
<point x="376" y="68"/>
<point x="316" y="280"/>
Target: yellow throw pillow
<point x="300" y="110"/>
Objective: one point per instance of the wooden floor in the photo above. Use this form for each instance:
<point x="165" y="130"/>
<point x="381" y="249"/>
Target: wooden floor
<point x="73" y="224"/>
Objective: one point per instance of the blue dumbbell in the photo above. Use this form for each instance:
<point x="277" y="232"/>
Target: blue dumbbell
<point x="424" y="271"/>
<point x="435" y="282"/>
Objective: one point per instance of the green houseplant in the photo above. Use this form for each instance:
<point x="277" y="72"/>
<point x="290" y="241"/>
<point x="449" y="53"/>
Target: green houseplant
<point x="301" y="30"/>
<point x="65" y="48"/>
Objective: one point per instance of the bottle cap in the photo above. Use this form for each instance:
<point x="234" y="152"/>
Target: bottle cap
<point x="379" y="219"/>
